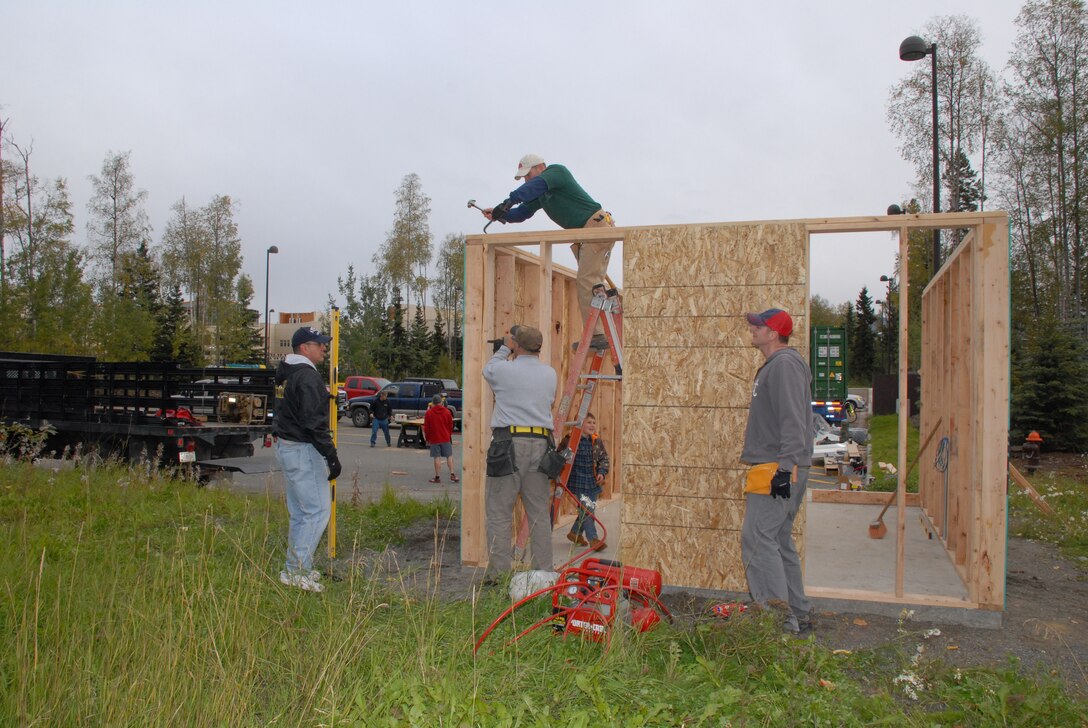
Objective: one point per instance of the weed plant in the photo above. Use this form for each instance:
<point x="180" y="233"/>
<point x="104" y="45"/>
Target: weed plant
<point x="131" y="598"/>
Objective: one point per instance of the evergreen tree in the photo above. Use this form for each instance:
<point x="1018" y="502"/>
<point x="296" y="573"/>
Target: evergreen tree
<point x="170" y="318"/>
<point x="364" y="325"/>
<point x="965" y="185"/>
<point x="438" y="336"/>
<point x="126" y="318"/>
<point x="862" y="340"/>
<point x="392" y="356"/>
<point x="448" y="287"/>
<point x="420" y="353"/>
<point x="1052" y="396"/>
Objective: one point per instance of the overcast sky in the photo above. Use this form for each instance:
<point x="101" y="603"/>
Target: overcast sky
<point x="310" y="114"/>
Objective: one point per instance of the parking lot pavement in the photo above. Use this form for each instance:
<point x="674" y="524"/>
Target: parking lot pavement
<point x="368" y="469"/>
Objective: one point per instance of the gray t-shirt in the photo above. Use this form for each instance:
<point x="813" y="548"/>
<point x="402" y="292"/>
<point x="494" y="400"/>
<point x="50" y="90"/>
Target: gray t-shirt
<point x="524" y="390"/>
<point x="780" y="417"/>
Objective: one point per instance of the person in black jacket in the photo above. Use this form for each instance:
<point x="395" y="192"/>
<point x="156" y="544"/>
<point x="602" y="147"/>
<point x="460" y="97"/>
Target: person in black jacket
<point x="304" y="446"/>
<point x="379" y="418"/>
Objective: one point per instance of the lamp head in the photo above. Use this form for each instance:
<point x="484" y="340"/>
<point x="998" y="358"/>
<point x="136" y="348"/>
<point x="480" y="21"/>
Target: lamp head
<point x="895" y="210"/>
<point x="272" y="249"/>
<point x="884" y="279"/>
<point x="913" y="49"/>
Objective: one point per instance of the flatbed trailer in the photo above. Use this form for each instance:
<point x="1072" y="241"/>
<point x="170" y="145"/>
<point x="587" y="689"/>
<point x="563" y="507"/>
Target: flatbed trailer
<point x="138" y="410"/>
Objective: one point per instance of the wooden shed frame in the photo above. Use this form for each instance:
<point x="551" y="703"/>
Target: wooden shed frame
<point x="964" y="373"/>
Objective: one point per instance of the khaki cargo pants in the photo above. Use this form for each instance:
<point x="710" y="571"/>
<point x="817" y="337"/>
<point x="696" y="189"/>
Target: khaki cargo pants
<point x="592" y="264"/>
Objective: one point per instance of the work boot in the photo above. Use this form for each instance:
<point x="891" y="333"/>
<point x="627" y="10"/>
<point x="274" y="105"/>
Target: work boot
<point x="599" y="342"/>
<point x="598" y="544"/>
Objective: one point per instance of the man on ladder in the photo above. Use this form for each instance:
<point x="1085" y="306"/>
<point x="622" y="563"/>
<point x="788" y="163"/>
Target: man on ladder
<point x="553" y="188"/>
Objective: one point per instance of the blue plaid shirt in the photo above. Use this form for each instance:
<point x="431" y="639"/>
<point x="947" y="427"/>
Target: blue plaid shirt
<point x="581" y="474"/>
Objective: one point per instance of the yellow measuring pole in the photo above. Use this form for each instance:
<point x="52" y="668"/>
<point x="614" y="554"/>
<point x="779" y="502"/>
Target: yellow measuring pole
<point x="334" y="415"/>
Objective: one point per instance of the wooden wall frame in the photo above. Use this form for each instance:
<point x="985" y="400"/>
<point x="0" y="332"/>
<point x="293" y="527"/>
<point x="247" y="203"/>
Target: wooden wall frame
<point x="675" y="439"/>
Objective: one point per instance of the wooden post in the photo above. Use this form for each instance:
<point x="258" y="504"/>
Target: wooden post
<point x="475" y="411"/>
<point x="904" y="413"/>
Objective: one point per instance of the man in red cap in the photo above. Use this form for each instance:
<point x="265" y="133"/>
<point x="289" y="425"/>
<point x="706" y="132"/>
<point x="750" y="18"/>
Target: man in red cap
<point x="779" y="431"/>
<point x="553" y="188"/>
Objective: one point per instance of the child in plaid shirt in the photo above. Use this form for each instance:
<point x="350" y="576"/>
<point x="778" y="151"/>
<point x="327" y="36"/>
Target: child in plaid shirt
<point x="586" y="476"/>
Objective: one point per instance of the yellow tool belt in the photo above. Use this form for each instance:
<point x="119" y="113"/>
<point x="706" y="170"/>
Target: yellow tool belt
<point x="759" y="477"/>
<point x="540" y="431"/>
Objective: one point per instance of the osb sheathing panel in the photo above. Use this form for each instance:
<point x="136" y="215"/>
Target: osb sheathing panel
<point x="716" y="255"/>
<point x="687" y="387"/>
<point x="668" y="550"/>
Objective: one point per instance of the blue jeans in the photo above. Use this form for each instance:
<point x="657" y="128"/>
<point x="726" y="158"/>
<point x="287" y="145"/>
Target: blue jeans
<point x="584" y="523"/>
<point x="309" y="501"/>
<point x="384" y="425"/>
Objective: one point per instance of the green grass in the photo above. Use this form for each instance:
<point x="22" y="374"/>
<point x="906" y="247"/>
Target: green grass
<point x="136" y="600"/>
<point x="884" y="435"/>
<point x="1068" y="496"/>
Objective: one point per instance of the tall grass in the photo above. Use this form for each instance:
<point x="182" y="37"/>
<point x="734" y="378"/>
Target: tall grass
<point x="132" y="600"/>
<point x="1067" y="494"/>
<point x="884" y="436"/>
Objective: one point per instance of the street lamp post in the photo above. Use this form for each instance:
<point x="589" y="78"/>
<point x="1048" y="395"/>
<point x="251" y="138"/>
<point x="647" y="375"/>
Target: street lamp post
<point x="915" y="49"/>
<point x="272" y="250"/>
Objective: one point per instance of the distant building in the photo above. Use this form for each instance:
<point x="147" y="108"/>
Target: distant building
<point x="282" y="327"/>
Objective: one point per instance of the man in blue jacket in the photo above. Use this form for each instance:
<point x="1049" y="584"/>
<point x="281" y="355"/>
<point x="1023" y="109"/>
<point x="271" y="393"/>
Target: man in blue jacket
<point x="304" y="447"/>
<point x="552" y="187"/>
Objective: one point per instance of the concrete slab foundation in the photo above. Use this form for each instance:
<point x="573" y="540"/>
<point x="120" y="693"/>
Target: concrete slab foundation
<point x="840" y="555"/>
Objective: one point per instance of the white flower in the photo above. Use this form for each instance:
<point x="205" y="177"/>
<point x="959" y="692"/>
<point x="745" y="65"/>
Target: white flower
<point x="910" y="683"/>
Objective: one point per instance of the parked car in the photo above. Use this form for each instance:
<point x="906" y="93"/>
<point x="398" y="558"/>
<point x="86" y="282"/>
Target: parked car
<point x="407" y="399"/>
<point x="357" y="386"/>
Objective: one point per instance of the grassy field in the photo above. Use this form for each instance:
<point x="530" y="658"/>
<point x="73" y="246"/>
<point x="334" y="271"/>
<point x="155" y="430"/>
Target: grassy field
<point x="131" y="599"/>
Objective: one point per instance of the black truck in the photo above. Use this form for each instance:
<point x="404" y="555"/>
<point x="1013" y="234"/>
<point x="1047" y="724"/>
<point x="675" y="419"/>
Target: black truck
<point x="138" y="410"/>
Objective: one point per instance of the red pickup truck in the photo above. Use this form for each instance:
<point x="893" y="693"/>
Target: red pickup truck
<point x="362" y="386"/>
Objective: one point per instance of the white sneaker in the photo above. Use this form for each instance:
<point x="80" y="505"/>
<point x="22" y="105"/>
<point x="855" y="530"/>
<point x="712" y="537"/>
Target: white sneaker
<point x="305" y="582"/>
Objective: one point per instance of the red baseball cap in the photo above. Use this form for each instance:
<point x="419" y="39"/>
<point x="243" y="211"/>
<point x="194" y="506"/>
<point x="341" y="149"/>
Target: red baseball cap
<point x="774" y="319"/>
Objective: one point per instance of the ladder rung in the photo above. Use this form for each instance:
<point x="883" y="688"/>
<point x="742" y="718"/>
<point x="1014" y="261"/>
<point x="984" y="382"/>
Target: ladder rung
<point x="612" y="377"/>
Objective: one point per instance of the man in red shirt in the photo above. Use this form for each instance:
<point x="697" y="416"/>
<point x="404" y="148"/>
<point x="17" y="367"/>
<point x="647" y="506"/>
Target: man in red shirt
<point x="438" y="431"/>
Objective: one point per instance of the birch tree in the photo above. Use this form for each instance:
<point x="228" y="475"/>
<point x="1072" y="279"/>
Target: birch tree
<point x="407" y="251"/>
<point x="967" y="106"/>
<point x="118" y="222"/>
<point x="1042" y="155"/>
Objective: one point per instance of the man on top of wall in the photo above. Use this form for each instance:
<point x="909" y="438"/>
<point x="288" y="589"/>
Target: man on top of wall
<point x="553" y="188"/>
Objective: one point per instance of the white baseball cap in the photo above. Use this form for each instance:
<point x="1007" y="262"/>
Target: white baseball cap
<point x="528" y="162"/>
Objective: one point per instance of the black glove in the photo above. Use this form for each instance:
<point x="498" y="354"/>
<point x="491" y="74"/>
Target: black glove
<point x="498" y="212"/>
<point x="335" y="468"/>
<point x="780" y="484"/>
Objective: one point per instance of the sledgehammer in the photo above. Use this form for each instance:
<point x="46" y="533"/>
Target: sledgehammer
<point x="877" y="529"/>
